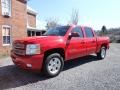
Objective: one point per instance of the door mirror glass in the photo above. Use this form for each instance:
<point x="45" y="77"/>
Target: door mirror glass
<point x="74" y="34"/>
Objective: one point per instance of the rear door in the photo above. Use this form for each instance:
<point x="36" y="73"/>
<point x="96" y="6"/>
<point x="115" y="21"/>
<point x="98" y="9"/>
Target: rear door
<point x="90" y="40"/>
<point x="75" y="47"/>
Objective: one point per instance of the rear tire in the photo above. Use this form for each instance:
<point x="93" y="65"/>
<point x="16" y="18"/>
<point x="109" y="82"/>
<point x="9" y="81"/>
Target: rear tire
<point x="53" y="64"/>
<point x="102" y="53"/>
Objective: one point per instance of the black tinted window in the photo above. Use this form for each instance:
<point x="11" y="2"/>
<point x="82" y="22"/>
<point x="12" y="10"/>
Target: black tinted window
<point x="78" y="30"/>
<point x="89" y="32"/>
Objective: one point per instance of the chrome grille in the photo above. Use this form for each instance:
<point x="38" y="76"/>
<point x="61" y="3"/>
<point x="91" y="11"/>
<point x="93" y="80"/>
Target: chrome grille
<point x="19" y="52"/>
<point x="18" y="48"/>
<point x="18" y="45"/>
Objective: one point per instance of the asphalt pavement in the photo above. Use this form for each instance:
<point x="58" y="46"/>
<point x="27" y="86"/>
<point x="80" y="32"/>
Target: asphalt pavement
<point x="87" y="73"/>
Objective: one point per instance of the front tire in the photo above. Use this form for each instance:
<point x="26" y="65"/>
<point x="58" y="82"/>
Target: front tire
<point x="102" y="53"/>
<point x="53" y="64"/>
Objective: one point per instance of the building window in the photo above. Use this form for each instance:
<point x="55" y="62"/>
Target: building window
<point x="6" y="36"/>
<point x="6" y="7"/>
<point x="35" y="33"/>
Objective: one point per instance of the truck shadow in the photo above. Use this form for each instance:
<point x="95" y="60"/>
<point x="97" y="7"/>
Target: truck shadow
<point x="12" y="77"/>
<point x="79" y="61"/>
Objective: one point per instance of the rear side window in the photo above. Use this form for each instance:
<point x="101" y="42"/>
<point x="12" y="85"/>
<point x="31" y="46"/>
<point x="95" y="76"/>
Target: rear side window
<point x="78" y="30"/>
<point x="89" y="32"/>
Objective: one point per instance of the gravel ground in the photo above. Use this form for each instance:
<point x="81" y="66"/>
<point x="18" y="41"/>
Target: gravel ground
<point x="86" y="73"/>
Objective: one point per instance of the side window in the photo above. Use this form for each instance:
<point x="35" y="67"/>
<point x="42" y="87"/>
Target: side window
<point x="89" y="32"/>
<point x="78" y="30"/>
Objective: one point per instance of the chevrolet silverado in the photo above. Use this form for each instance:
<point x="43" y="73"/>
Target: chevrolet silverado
<point x="48" y="53"/>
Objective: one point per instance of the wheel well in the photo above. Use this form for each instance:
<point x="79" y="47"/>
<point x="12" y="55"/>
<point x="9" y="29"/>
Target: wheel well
<point x="56" y="50"/>
<point x="104" y="45"/>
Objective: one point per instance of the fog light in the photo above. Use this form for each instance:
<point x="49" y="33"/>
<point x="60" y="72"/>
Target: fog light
<point x="29" y="65"/>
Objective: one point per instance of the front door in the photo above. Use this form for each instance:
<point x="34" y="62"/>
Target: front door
<point x="75" y="45"/>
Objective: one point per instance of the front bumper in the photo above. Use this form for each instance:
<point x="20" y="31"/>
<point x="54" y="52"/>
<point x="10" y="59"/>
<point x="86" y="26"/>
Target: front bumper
<point x="31" y="63"/>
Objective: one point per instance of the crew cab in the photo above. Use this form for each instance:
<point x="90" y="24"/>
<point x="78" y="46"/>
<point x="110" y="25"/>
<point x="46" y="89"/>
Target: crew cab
<point x="48" y="53"/>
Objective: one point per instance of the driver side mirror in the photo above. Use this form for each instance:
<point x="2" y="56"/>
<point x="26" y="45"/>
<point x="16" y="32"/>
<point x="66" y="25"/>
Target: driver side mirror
<point x="74" y="34"/>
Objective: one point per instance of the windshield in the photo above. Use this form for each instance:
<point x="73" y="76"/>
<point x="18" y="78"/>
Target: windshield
<point x="58" y="31"/>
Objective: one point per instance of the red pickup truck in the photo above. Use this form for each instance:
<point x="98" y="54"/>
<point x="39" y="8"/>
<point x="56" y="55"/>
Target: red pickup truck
<point x="48" y="52"/>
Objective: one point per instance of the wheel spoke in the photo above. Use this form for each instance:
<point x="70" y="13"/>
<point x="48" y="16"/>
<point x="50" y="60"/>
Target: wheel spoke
<point x="51" y="62"/>
<point x="49" y="67"/>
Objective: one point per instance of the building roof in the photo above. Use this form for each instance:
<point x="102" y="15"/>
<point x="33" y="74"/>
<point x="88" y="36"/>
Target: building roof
<point x="35" y="29"/>
<point x="31" y="10"/>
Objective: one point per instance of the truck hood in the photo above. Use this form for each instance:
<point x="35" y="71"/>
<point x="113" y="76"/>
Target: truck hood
<point x="40" y="39"/>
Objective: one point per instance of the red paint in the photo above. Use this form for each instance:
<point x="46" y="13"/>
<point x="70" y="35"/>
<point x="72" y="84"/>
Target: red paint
<point x="73" y="48"/>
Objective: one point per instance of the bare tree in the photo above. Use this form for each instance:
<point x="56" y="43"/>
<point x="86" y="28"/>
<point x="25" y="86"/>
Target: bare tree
<point x="51" y="23"/>
<point x="74" y="17"/>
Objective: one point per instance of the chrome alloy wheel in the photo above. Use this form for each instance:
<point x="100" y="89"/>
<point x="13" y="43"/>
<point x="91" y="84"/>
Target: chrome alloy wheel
<point x="103" y="52"/>
<point x="54" y="65"/>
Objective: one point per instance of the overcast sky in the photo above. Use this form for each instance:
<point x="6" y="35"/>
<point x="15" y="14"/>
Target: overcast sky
<point x="94" y="13"/>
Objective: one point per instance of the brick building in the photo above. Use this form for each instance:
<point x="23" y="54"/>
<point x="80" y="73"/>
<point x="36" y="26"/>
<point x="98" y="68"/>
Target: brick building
<point x="31" y="23"/>
<point x="16" y="21"/>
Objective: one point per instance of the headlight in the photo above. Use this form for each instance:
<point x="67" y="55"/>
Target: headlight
<point x="32" y="49"/>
